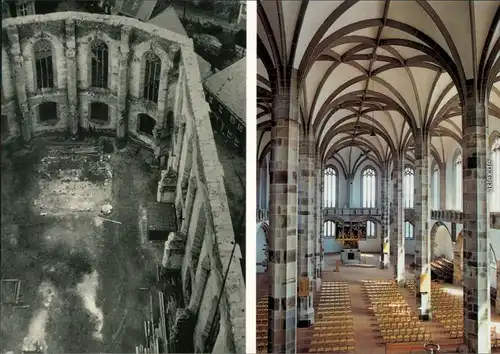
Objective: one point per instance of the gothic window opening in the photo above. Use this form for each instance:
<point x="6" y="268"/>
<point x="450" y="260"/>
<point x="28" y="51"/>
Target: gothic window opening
<point x="43" y="64"/>
<point x="329" y="229"/>
<point x="369" y="187"/>
<point x="330" y="188"/>
<point x="146" y="124"/>
<point x="409" y="231"/>
<point x="99" y="112"/>
<point x="409" y="186"/>
<point x="370" y="229"/>
<point x="4" y="125"/>
<point x="435" y="189"/>
<point x="23" y="10"/>
<point x="458" y="182"/>
<point x="152" y="77"/>
<point x="99" y="64"/>
<point x="47" y="112"/>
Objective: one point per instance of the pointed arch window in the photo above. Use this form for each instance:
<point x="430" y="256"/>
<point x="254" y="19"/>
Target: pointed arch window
<point x="435" y="188"/>
<point x="370" y="229"/>
<point x="409" y="186"/>
<point x="152" y="77"/>
<point x="495" y="174"/>
<point x="99" y="64"/>
<point x="329" y="229"/>
<point x="458" y="182"/>
<point x="369" y="187"/>
<point x="409" y="231"/>
<point x="330" y="188"/>
<point x="43" y="64"/>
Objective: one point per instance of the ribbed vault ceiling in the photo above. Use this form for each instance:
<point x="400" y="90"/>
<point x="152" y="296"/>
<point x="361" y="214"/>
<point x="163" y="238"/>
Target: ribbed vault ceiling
<point x="370" y="73"/>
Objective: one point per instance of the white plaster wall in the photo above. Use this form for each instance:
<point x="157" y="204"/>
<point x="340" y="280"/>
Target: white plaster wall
<point x="443" y="245"/>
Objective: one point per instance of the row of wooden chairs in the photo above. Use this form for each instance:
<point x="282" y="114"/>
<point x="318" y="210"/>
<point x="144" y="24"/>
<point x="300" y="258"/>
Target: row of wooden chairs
<point x="333" y="329"/>
<point x="448" y="311"/>
<point x="396" y="321"/>
<point x="262" y="323"/>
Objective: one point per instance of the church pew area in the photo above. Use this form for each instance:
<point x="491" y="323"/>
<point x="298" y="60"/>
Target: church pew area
<point x="333" y="329"/>
<point x="442" y="270"/>
<point x="395" y="319"/>
<point x="447" y="309"/>
<point x="262" y="323"/>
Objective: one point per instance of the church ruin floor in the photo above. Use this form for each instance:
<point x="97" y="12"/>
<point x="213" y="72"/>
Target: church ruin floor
<point x="84" y="276"/>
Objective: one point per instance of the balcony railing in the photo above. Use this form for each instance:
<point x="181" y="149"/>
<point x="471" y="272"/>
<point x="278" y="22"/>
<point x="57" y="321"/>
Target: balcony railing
<point x="352" y="211"/>
<point x="447" y="215"/>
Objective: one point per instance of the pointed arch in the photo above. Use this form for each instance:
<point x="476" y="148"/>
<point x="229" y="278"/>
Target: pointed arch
<point x="99" y="64"/>
<point x="369" y="187"/>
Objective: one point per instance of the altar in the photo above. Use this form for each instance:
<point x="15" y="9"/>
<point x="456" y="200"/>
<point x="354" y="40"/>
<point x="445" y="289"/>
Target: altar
<point x="350" y="256"/>
<point x="349" y="234"/>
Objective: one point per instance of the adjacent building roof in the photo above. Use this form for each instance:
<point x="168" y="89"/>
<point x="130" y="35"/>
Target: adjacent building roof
<point x="139" y="9"/>
<point x="168" y="19"/>
<point x="229" y="86"/>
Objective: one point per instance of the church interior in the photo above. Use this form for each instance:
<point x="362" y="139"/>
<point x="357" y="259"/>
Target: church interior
<point x="378" y="182"/>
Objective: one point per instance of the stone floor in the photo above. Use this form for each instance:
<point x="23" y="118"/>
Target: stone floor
<point x="365" y="329"/>
<point x="83" y="275"/>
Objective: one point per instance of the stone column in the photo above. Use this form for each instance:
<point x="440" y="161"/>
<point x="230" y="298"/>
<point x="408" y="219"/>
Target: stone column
<point x="476" y="281"/>
<point x="20" y="84"/>
<point x="319" y="217"/>
<point x="306" y="229"/>
<point x="122" y="94"/>
<point x="442" y="186"/>
<point x="422" y="244"/>
<point x="72" y="78"/>
<point x="384" y="237"/>
<point x="283" y="225"/>
<point x="398" y="239"/>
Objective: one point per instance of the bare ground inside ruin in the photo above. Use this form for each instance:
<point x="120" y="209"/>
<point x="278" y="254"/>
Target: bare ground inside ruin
<point x="234" y="181"/>
<point x="81" y="274"/>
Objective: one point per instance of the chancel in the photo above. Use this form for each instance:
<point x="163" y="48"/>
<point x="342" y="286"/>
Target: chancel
<point x="378" y="155"/>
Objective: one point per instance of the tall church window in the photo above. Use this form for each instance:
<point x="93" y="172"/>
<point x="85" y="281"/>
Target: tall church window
<point x="409" y="186"/>
<point x="409" y="231"/>
<point x="152" y="77"/>
<point x="458" y="182"/>
<point x="330" y="188"/>
<point x="99" y="64"/>
<point x="495" y="175"/>
<point x="368" y="187"/>
<point x="329" y="229"/>
<point x="43" y="64"/>
<point x="370" y="229"/>
<point x="435" y="188"/>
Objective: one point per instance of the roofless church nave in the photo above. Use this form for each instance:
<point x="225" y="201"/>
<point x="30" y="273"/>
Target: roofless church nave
<point x="379" y="176"/>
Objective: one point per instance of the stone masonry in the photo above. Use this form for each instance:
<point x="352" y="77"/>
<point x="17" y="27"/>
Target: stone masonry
<point x="384" y="193"/>
<point x="306" y="230"/>
<point x="397" y="236"/>
<point x="283" y="223"/>
<point x="422" y="244"/>
<point x="476" y="282"/>
<point x="319" y="222"/>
